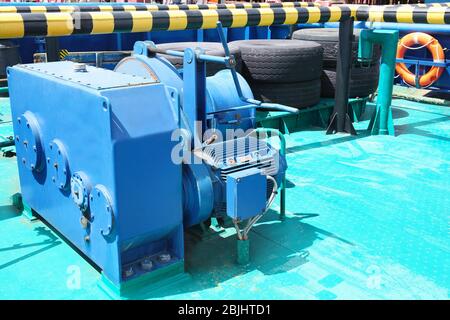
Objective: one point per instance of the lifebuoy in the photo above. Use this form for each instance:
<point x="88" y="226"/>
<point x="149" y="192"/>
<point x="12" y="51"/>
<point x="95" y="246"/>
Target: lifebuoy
<point x="425" y="40"/>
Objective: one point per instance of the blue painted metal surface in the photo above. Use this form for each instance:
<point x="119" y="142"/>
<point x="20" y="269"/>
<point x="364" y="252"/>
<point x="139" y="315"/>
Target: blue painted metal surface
<point x="220" y="91"/>
<point x="221" y="95"/>
<point x="89" y="115"/>
<point x="100" y="148"/>
<point x="246" y="193"/>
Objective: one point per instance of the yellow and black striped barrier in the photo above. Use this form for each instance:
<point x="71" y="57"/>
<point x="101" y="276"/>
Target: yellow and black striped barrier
<point x="421" y="5"/>
<point x="18" y="25"/>
<point x="401" y="14"/>
<point x="149" y="7"/>
<point x="438" y="4"/>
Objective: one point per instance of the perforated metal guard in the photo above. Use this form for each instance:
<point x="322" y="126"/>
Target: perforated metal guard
<point x="243" y="153"/>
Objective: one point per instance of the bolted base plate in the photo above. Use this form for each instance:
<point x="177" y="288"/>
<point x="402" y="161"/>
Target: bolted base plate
<point x="146" y="286"/>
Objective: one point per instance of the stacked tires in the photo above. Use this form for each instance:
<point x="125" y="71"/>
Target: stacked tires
<point x="363" y="76"/>
<point x="210" y="48"/>
<point x="282" y="71"/>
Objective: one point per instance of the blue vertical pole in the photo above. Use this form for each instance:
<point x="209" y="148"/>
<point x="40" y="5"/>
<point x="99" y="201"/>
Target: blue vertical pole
<point x="194" y="88"/>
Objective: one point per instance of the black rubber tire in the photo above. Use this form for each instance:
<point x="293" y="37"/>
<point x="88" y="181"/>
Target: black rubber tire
<point x="280" y="61"/>
<point x="295" y="94"/>
<point x="211" y="48"/>
<point x="329" y="39"/>
<point x="9" y="56"/>
<point x="363" y="82"/>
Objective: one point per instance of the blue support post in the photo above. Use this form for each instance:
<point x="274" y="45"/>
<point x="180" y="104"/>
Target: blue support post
<point x="119" y="41"/>
<point x="52" y="48"/>
<point x="200" y="35"/>
<point x="194" y="100"/>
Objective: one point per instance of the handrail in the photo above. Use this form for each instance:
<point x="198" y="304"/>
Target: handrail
<point x="282" y="154"/>
<point x="18" y="25"/>
<point x="71" y="7"/>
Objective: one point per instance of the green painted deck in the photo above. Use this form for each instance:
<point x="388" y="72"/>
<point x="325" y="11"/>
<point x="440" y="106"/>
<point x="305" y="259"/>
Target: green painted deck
<point x="368" y="218"/>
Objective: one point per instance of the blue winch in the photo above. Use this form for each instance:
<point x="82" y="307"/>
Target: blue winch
<point x="120" y="162"/>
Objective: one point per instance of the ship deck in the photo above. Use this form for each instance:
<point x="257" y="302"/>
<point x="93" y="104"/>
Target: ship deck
<point x="367" y="218"/>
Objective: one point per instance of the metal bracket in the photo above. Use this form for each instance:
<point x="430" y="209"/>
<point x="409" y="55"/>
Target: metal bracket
<point x="102" y="216"/>
<point x="58" y="164"/>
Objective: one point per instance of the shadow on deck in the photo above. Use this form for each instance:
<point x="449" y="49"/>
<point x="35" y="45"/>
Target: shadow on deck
<point x="275" y="247"/>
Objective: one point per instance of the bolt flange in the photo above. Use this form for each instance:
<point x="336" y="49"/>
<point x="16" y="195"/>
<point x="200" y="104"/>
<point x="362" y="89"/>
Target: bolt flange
<point x="147" y="264"/>
<point x="165" y="257"/>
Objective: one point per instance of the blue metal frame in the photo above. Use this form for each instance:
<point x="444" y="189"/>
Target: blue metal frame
<point x="419" y="63"/>
<point x="424" y="63"/>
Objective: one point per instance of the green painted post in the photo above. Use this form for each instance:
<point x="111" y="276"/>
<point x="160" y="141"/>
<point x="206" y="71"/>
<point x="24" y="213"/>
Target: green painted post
<point x="381" y="122"/>
<point x="27" y="213"/>
<point x="283" y="199"/>
<point x="17" y="202"/>
<point x="283" y="180"/>
<point x="243" y="251"/>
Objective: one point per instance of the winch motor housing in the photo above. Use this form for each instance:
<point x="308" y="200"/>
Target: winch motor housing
<point x="95" y="157"/>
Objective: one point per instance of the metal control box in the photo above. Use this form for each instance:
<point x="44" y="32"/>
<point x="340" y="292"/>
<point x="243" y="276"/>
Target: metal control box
<point x="246" y="193"/>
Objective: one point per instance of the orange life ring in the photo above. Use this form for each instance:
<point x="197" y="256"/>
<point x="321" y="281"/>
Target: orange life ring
<point x="436" y="51"/>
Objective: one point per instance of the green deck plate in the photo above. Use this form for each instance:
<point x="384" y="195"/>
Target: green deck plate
<point x="422" y="95"/>
<point x="367" y="218"/>
<point x="317" y="115"/>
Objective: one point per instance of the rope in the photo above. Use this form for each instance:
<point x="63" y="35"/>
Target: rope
<point x="416" y="48"/>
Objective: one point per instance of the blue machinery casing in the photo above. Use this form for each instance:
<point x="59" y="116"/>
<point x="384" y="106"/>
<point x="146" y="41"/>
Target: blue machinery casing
<point x="91" y="129"/>
<point x="95" y="147"/>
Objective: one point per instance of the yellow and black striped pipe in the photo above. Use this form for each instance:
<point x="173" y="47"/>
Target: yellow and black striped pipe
<point x="149" y="7"/>
<point x="18" y="25"/>
<point x="415" y="5"/>
<point x="401" y="13"/>
<point x="421" y="5"/>
<point x="438" y="4"/>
